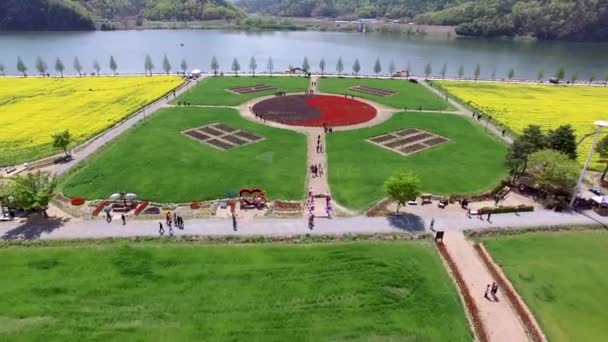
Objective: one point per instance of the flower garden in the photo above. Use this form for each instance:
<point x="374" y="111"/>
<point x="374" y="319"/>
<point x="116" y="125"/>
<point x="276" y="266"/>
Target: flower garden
<point x="33" y="109"/>
<point x="518" y="105"/>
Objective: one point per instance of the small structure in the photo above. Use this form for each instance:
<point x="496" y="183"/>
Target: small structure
<point x="196" y="73"/>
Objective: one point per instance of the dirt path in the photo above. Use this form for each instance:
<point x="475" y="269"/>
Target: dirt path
<point x="500" y="320"/>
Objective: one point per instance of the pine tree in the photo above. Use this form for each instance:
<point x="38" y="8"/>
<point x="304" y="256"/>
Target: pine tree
<point x="214" y="65"/>
<point x="184" y="66"/>
<point x="305" y="65"/>
<point x="236" y="67"/>
<point x="97" y="67"/>
<point x="41" y="66"/>
<point x="166" y="65"/>
<point x="270" y="65"/>
<point x="113" y="65"/>
<point x="340" y="66"/>
<point x="428" y="69"/>
<point x="477" y="71"/>
<point x="356" y="67"/>
<point x="377" y="67"/>
<point x="77" y="66"/>
<point x="444" y="70"/>
<point x="59" y="67"/>
<point x="322" y="66"/>
<point x="253" y="65"/>
<point x="148" y="65"/>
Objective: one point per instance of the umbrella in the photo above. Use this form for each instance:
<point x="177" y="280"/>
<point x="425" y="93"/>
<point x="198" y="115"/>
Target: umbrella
<point x="131" y="196"/>
<point x="115" y="197"/>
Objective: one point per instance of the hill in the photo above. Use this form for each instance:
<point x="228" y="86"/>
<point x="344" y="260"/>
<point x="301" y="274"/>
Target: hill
<point x="543" y="19"/>
<point x="83" y="14"/>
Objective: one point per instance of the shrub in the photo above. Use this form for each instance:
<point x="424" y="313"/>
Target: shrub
<point x="508" y="209"/>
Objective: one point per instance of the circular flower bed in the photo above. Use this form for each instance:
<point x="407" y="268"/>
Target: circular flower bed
<point x="77" y="201"/>
<point x="314" y="110"/>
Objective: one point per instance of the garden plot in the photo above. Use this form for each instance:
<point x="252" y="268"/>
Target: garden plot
<point x="408" y="141"/>
<point x="222" y="136"/>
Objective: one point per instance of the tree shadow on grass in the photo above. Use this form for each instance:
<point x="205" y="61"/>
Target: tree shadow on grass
<point x="33" y="226"/>
<point x="407" y="222"/>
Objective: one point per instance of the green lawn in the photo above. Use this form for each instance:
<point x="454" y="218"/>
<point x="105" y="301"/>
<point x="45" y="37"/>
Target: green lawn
<point x="408" y="96"/>
<point x="397" y="291"/>
<point x="563" y="279"/>
<point x="472" y="161"/>
<point x="156" y="161"/>
<point x="213" y="90"/>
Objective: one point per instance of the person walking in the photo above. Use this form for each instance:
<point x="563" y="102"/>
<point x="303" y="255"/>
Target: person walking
<point x="234" y="223"/>
<point x="124" y="219"/>
<point x="494" y="290"/>
<point x="489" y="215"/>
<point x="432" y="224"/>
<point x="485" y="295"/>
<point x="469" y="212"/>
<point x="311" y="221"/>
<point x="161" y="231"/>
<point x="175" y="218"/>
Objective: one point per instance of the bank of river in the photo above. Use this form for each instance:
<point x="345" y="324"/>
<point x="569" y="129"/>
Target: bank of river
<point x="287" y="48"/>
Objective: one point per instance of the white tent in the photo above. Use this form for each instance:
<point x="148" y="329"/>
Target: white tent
<point x="196" y="72"/>
<point x="601" y="200"/>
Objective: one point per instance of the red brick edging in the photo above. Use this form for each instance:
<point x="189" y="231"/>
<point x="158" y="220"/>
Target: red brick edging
<point x="518" y="304"/>
<point x="478" y="325"/>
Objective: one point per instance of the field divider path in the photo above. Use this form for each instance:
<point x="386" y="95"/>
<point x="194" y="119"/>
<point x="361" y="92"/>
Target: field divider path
<point x="465" y="111"/>
<point x="500" y="319"/>
<point x="99" y="141"/>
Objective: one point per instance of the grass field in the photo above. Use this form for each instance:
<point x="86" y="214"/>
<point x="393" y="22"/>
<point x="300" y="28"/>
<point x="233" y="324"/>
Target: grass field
<point x="518" y="105"/>
<point x="213" y="91"/>
<point x="470" y="162"/>
<point x="563" y="279"/>
<point x="156" y="161"/>
<point x="33" y="109"/>
<point x="183" y="292"/>
<point x="409" y="95"/>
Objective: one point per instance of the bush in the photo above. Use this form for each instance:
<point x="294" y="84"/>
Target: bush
<point x="77" y="201"/>
<point x="507" y="209"/>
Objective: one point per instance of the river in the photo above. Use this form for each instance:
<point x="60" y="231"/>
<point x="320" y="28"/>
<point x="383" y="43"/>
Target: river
<point x="129" y="48"/>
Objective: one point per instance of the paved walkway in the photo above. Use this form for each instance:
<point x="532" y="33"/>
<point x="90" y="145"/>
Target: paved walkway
<point x="500" y="320"/>
<point x="116" y="131"/>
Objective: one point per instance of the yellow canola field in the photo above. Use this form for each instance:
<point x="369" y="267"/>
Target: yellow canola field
<point x="518" y="105"/>
<point x="33" y="109"/>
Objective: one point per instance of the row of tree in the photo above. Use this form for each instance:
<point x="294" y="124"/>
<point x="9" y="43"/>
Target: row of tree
<point x="43" y="68"/>
<point x="149" y="66"/>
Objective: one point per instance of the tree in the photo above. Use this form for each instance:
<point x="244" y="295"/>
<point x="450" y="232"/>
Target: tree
<point x="356" y="67"/>
<point x="592" y="78"/>
<point x="531" y="140"/>
<point x="460" y="71"/>
<point x="1" y="69"/>
<point x="560" y="73"/>
<point x="77" y="66"/>
<point x="511" y="73"/>
<point x="444" y="70"/>
<point x="605" y="79"/>
<point x="97" y="67"/>
<point x="377" y="67"/>
<point x="184" y="66"/>
<point x="339" y="66"/>
<point x="113" y="65"/>
<point x="428" y="69"/>
<point x="322" y="66"/>
<point x="402" y="187"/>
<point x="552" y="170"/>
<point x="59" y="67"/>
<point x="21" y="66"/>
<point x="236" y="67"/>
<point x="392" y="68"/>
<point x="602" y="150"/>
<point x="563" y="140"/>
<point x="166" y="65"/>
<point x="33" y="191"/>
<point x="253" y="65"/>
<point x="62" y="140"/>
<point x="540" y="75"/>
<point x="574" y="77"/>
<point x="477" y="71"/>
<point x="493" y="74"/>
<point x="270" y="65"/>
<point x="214" y="65"/>
<point x="148" y="65"/>
<point x="408" y="68"/>
<point x="305" y="64"/>
<point x="41" y="66"/>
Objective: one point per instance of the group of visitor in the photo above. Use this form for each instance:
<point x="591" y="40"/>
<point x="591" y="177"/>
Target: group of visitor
<point x="169" y="221"/>
<point x="491" y="290"/>
<point x="316" y="170"/>
<point x="186" y="104"/>
<point x="327" y="128"/>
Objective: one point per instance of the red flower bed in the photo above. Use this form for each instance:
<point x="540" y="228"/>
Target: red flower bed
<point x="140" y="207"/>
<point x="287" y="206"/>
<point x="100" y="207"/>
<point x="480" y="329"/>
<point x="304" y="110"/>
<point x="523" y="314"/>
<point x="77" y="201"/>
<point x="195" y="205"/>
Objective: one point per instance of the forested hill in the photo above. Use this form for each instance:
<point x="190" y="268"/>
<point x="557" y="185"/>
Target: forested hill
<point x="83" y="14"/>
<point x="544" y="19"/>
